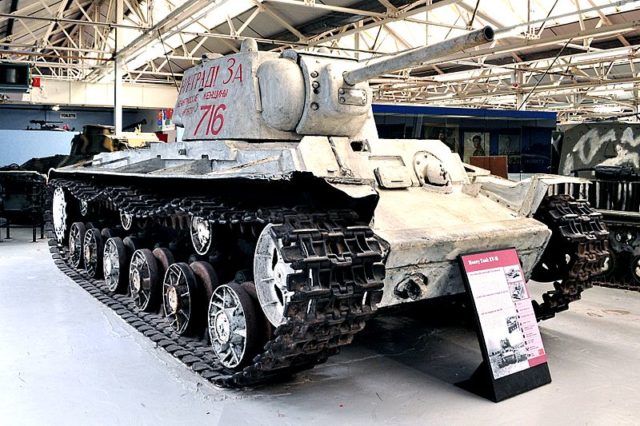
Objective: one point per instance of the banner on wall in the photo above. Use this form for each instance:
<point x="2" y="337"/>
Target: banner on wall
<point x="164" y="119"/>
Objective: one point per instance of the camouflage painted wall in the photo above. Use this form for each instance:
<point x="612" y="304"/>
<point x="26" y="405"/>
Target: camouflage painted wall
<point x="587" y="145"/>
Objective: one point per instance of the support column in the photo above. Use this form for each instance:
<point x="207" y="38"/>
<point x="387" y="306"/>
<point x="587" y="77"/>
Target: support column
<point x="117" y="70"/>
<point x="518" y="80"/>
<point x="356" y="41"/>
<point x="636" y="102"/>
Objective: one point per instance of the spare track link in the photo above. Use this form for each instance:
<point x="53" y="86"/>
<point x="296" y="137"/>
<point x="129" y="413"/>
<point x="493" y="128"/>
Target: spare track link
<point x="324" y="314"/>
<point x="577" y="231"/>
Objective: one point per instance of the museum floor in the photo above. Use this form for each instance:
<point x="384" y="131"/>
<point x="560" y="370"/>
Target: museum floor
<point x="66" y="359"/>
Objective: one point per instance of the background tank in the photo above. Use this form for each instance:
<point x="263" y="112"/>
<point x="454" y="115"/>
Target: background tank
<point x="97" y="138"/>
<point x="282" y="222"/>
<point x="608" y="154"/>
<point x="22" y="187"/>
<point x="22" y="195"/>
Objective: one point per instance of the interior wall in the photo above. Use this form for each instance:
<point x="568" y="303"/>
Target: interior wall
<point x="18" y="146"/>
<point x="525" y="142"/>
<point x="19" y="118"/>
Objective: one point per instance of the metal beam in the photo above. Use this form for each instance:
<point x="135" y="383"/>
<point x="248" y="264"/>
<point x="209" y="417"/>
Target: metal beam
<point x="320" y="6"/>
<point x="174" y="18"/>
<point x="117" y="70"/>
<point x="55" y="20"/>
<point x="278" y="18"/>
<point x="529" y="44"/>
<point x="9" y="30"/>
<point x="64" y="91"/>
<point x="409" y="11"/>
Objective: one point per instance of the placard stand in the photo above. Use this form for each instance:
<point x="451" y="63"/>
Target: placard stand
<point x="514" y="360"/>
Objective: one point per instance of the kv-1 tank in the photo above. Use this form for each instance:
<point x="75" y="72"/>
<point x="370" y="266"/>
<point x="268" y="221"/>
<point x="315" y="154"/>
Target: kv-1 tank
<point x="264" y="241"/>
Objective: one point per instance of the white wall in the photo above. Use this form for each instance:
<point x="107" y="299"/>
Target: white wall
<point x="77" y="93"/>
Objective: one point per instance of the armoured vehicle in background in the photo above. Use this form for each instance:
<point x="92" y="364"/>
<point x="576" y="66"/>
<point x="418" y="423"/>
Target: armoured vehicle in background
<point x="608" y="154"/>
<point x="262" y="243"/>
<point x="22" y="195"/>
<point x="22" y="187"/>
<point x="97" y="138"/>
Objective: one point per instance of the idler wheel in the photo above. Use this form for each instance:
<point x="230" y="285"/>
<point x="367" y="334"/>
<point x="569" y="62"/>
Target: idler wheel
<point x="76" y="238"/>
<point x="234" y="325"/>
<point x="180" y="298"/>
<point x="270" y="273"/>
<point x="145" y="281"/>
<point x="114" y="265"/>
<point x="60" y="214"/>
<point x="201" y="234"/>
<point x="92" y="252"/>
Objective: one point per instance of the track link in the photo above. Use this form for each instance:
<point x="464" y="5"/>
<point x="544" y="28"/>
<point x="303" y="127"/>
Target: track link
<point x="579" y="235"/>
<point x="335" y="292"/>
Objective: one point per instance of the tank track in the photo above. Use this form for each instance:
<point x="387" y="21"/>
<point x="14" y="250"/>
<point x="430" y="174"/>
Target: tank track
<point x="620" y="285"/>
<point x="620" y="276"/>
<point x="346" y="260"/>
<point x="618" y="201"/>
<point x="578" y="232"/>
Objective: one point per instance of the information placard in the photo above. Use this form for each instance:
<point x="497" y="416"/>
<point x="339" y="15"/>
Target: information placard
<point x="510" y="340"/>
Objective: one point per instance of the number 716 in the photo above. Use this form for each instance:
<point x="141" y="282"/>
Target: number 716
<point x="215" y="119"/>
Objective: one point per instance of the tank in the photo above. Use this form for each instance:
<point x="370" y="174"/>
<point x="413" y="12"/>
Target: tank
<point x="264" y="241"/>
<point x="608" y="154"/>
<point x="22" y="187"/>
<point x="97" y="138"/>
<point x="22" y="195"/>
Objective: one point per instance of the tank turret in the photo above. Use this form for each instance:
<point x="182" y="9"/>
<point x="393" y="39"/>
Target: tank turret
<point x="268" y="96"/>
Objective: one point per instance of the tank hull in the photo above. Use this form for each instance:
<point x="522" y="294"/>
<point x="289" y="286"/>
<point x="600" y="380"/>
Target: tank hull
<point x="423" y="229"/>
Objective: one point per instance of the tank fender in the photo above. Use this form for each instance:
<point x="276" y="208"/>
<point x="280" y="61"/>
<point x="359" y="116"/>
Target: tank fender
<point x="354" y="191"/>
<point x="524" y="197"/>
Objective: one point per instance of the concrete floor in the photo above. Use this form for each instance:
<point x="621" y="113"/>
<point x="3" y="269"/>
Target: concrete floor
<point x="66" y="359"/>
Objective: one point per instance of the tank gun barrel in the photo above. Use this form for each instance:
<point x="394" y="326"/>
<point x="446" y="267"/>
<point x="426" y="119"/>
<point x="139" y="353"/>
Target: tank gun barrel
<point x="418" y="56"/>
